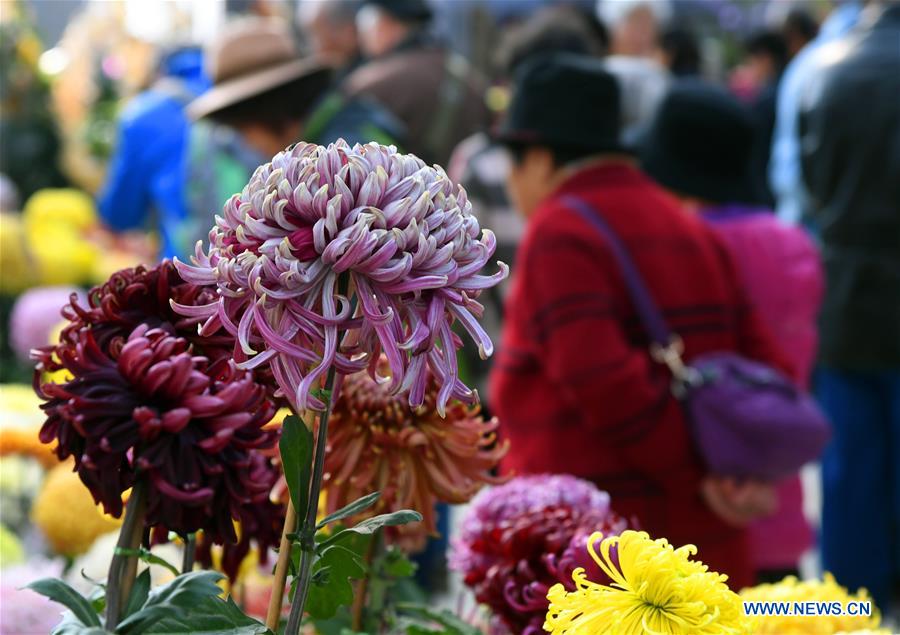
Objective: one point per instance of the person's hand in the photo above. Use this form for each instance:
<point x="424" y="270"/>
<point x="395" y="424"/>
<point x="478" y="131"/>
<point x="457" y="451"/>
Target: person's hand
<point x="739" y="504"/>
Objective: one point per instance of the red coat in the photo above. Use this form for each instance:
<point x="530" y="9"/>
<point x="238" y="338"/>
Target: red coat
<point x="573" y="384"/>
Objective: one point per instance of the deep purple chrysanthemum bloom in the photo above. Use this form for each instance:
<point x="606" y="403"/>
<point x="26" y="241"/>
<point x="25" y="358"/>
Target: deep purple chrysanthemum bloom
<point x="399" y="231"/>
<point x="154" y="409"/>
<point x="136" y="296"/>
<point x="519" y="539"/>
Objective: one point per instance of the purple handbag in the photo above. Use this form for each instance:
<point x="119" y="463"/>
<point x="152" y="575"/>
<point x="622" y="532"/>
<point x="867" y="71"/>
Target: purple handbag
<point x="747" y="419"/>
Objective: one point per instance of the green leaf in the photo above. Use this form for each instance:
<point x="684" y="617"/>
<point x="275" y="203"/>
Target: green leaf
<point x="396" y="565"/>
<point x="62" y="593"/>
<point x="333" y="590"/>
<point x="371" y="525"/>
<point x="71" y="625"/>
<point x="139" y="593"/>
<point x="209" y="616"/>
<point x="452" y="625"/>
<point x="97" y="598"/>
<point x="180" y="596"/>
<point x="350" y="509"/>
<point x="321" y="394"/>
<point x="296" y="447"/>
<point x="145" y="555"/>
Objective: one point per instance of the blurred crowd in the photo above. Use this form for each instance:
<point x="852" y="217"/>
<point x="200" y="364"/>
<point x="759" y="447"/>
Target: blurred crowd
<point x="758" y="195"/>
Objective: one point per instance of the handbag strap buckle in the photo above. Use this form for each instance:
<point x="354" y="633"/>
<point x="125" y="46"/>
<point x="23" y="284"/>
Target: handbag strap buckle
<point x="670" y="356"/>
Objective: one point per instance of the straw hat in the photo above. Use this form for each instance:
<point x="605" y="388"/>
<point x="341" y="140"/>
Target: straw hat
<point x="250" y="57"/>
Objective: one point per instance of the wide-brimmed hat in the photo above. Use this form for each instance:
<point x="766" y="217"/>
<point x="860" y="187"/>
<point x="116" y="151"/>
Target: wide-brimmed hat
<point x="563" y="101"/>
<point x="250" y="57"/>
<point x="700" y="144"/>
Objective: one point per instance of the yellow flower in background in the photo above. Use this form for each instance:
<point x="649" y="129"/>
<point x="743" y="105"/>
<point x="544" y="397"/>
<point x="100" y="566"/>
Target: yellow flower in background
<point x="11" y="551"/>
<point x="51" y="207"/>
<point x="655" y="589"/>
<point x="29" y="48"/>
<point x="56" y="225"/>
<point x="793" y="590"/>
<point x="16" y="268"/>
<point x="64" y="257"/>
<point x="67" y="515"/>
<point x="20" y="421"/>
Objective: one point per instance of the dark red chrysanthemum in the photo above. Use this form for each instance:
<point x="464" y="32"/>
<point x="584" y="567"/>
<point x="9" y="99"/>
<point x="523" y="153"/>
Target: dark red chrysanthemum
<point x="143" y="296"/>
<point x="148" y="407"/>
<point x="519" y="539"/>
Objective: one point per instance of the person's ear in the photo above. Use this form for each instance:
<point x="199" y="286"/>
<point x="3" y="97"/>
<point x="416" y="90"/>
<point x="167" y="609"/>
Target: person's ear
<point x="542" y="161"/>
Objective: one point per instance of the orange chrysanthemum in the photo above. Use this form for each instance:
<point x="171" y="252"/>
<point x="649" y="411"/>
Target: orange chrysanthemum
<point x="377" y="442"/>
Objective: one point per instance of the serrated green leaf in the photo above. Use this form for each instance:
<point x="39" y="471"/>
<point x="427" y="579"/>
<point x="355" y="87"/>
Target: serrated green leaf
<point x="147" y="556"/>
<point x="62" y="593"/>
<point x="452" y="624"/>
<point x="180" y="596"/>
<point x="139" y="593"/>
<point x="351" y="509"/>
<point x="296" y="446"/>
<point x="371" y="525"/>
<point x="325" y="599"/>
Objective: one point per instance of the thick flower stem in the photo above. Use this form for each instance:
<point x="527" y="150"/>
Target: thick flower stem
<point x="308" y="528"/>
<point x="281" y="569"/>
<point x="190" y="551"/>
<point x="123" y="568"/>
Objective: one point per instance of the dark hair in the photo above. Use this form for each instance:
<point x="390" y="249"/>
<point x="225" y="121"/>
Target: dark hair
<point x="562" y="155"/>
<point x="801" y="23"/>
<point x="279" y="107"/>
<point x="769" y="43"/>
<point x="555" y="29"/>
<point x="680" y="45"/>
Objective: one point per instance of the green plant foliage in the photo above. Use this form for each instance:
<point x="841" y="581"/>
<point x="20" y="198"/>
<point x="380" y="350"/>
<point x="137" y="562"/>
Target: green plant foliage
<point x="296" y="446"/>
<point x="351" y="509"/>
<point x="331" y="586"/>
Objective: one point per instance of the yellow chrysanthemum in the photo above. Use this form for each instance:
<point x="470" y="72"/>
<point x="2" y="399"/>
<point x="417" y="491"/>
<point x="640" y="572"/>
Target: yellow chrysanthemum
<point x="655" y="589"/>
<point x="67" y="515"/>
<point x="793" y="590"/>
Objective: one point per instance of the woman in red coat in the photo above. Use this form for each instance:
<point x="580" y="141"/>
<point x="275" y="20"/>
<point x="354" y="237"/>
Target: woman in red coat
<point x="574" y="385"/>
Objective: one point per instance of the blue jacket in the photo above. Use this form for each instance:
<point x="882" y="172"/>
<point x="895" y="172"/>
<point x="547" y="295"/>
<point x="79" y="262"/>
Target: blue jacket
<point x="146" y="171"/>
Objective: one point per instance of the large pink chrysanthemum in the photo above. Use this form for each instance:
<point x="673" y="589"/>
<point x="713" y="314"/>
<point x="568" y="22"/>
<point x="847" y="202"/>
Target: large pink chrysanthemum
<point x="400" y="234"/>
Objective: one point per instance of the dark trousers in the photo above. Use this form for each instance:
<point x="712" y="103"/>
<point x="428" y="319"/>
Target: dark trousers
<point x="861" y="480"/>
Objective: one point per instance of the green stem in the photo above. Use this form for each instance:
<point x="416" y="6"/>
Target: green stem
<point x="123" y="568"/>
<point x="190" y="551"/>
<point x="308" y="528"/>
<point x="362" y="589"/>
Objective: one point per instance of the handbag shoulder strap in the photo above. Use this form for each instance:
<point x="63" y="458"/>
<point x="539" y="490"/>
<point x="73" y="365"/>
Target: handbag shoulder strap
<point x="643" y="302"/>
<point x="666" y="347"/>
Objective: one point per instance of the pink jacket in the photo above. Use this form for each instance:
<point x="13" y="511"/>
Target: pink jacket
<point x="782" y="275"/>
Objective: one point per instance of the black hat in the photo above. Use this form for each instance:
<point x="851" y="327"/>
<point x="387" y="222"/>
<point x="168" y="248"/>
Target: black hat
<point x="411" y="10"/>
<point x="700" y="144"/>
<point x="564" y="101"/>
